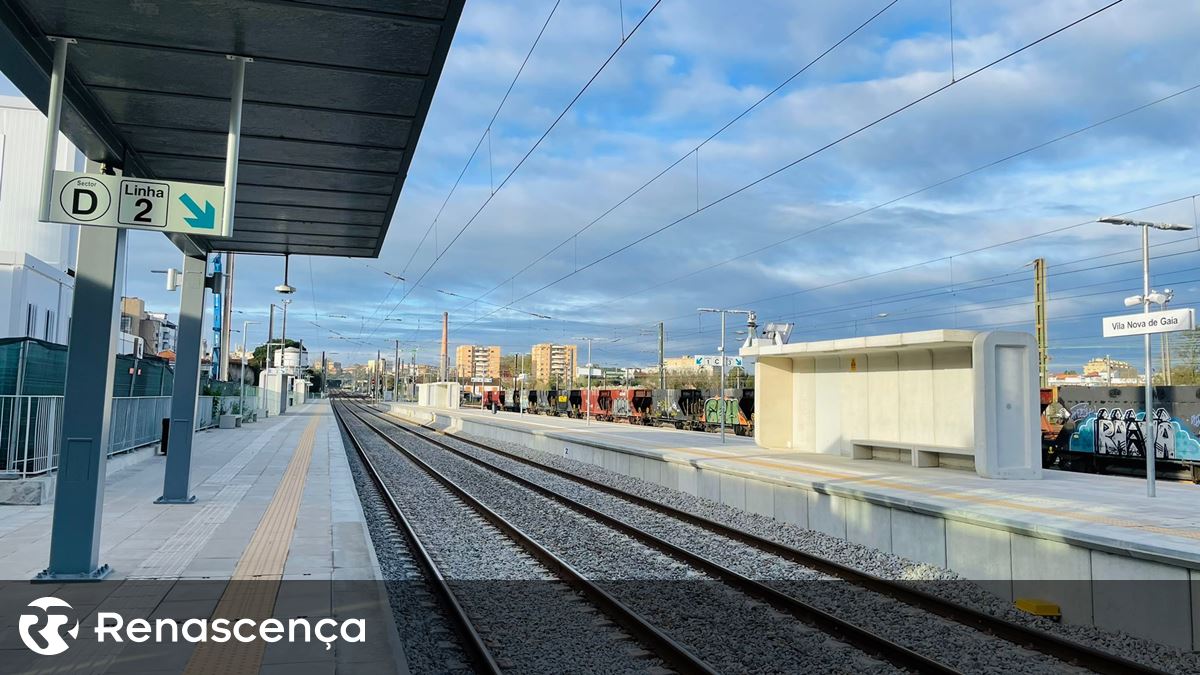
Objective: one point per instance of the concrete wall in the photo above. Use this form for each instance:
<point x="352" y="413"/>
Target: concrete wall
<point x="273" y="392"/>
<point x="442" y="395"/>
<point x="959" y="398"/>
<point x="777" y="373"/>
<point x="1092" y="584"/>
<point x="918" y="395"/>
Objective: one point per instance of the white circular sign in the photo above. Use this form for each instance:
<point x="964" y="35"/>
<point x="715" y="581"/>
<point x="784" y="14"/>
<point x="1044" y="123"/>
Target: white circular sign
<point x="85" y="199"/>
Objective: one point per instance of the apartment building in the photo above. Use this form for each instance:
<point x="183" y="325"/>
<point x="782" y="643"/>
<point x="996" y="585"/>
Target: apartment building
<point x="153" y="330"/>
<point x="472" y="361"/>
<point x="554" y="363"/>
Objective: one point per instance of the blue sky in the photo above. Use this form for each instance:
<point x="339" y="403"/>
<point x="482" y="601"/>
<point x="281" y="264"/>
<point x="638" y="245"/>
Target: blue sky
<point x="832" y="246"/>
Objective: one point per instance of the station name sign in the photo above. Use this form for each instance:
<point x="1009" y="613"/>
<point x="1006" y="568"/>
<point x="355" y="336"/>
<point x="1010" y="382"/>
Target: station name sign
<point x="1154" y="322"/>
<point x="715" y="361"/>
<point x="136" y="203"/>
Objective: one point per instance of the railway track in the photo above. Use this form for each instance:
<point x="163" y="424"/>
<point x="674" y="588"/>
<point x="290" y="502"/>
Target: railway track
<point x="1018" y="637"/>
<point x="479" y="649"/>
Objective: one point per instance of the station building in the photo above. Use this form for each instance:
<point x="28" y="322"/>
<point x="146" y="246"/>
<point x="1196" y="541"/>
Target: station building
<point x="37" y="260"/>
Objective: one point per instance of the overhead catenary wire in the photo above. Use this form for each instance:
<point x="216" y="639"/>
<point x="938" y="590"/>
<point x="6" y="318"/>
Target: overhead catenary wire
<point x="527" y="154"/>
<point x="694" y="151"/>
<point x="692" y="337"/>
<point x="817" y="151"/>
<point x="909" y="195"/>
<point x="940" y="258"/>
<point x="486" y="134"/>
<point x="1052" y="231"/>
<point x="982" y="305"/>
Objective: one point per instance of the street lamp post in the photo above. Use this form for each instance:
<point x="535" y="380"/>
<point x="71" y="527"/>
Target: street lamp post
<point x="588" y="397"/>
<point x="242" y="377"/>
<point x="270" y="339"/>
<point x="1151" y="431"/>
<point x="721" y="405"/>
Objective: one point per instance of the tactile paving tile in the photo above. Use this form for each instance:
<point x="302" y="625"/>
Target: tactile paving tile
<point x="262" y="561"/>
<point x="177" y="552"/>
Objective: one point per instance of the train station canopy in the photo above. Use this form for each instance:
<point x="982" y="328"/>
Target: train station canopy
<point x="335" y="100"/>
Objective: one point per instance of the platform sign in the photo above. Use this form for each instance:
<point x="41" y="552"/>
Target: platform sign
<point x="136" y="203"/>
<point x="715" y="361"/>
<point x="1167" y="321"/>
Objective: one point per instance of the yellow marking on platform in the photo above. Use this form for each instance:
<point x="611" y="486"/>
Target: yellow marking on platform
<point x="255" y="582"/>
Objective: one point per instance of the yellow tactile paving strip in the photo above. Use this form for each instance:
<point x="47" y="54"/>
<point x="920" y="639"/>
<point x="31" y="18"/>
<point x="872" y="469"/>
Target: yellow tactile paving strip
<point x="262" y="563"/>
<point x="846" y="478"/>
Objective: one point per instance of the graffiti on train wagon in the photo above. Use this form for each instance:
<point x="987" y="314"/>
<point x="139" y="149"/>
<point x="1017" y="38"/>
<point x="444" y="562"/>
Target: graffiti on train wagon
<point x="1122" y="433"/>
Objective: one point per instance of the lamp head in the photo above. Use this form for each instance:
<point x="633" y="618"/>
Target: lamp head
<point x="1133" y="301"/>
<point x="285" y="289"/>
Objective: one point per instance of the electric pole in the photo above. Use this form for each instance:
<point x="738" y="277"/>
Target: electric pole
<point x="1039" y="287"/>
<point x="662" y="348"/>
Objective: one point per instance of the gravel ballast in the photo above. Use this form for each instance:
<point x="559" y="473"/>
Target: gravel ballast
<point x="530" y="620"/>
<point x="728" y="630"/>
<point x="885" y="565"/>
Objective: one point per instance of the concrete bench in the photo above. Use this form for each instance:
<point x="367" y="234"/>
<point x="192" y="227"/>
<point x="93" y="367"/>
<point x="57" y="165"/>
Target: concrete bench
<point x="923" y="454"/>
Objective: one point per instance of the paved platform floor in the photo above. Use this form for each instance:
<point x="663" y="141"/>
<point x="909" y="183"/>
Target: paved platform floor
<point x="1109" y="512"/>
<point x="235" y="473"/>
<point x="277" y="532"/>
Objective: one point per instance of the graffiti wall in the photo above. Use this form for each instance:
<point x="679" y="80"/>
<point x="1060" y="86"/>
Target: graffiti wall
<point x="1111" y="422"/>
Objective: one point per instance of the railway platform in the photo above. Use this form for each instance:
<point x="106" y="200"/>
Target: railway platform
<point x="1083" y="542"/>
<point x="277" y="531"/>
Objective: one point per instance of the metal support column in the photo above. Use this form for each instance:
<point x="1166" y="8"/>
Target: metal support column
<point x="176" y="480"/>
<point x="1151" y="430"/>
<point x="721" y="393"/>
<point x="662" y="356"/>
<point x="233" y="140"/>
<point x="83" y="451"/>
<point x="53" y="115"/>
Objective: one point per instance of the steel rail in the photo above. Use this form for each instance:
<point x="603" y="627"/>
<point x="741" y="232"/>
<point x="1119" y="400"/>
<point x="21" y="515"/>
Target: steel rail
<point x="663" y="646"/>
<point x="1065" y="650"/>
<point x="844" y="630"/>
<point x="472" y="642"/>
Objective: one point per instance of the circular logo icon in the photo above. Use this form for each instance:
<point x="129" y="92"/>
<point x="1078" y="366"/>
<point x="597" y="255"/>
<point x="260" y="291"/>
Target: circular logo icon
<point x="85" y="199"/>
<point x="48" y="639"/>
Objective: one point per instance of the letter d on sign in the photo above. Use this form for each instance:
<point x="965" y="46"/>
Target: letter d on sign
<point x="83" y="203"/>
<point x="85" y="199"/>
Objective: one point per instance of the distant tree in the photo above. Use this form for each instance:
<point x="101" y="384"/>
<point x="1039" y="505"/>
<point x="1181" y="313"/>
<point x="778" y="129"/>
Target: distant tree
<point x="317" y="378"/>
<point x="258" y="360"/>
<point x="1185" y="356"/>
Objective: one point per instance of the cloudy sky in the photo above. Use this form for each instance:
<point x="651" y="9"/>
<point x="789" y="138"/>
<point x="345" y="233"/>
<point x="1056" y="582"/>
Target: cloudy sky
<point x="925" y="219"/>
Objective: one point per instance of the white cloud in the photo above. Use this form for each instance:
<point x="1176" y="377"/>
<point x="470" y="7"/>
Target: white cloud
<point x="691" y="67"/>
